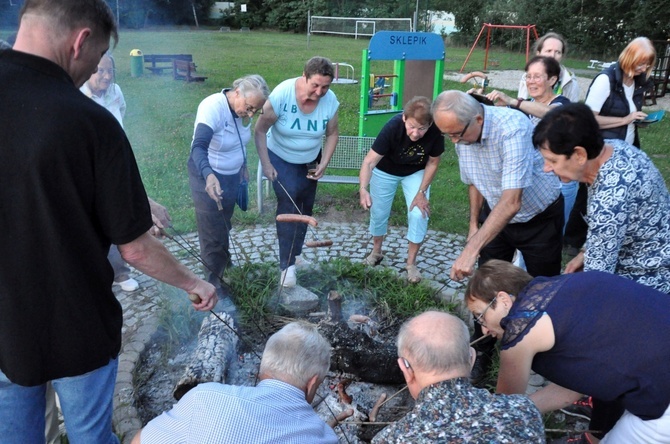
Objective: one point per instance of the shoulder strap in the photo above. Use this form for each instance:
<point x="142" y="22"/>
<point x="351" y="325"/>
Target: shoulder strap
<point x="244" y="153"/>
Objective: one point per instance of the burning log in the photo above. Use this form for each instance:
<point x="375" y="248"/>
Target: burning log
<point x="217" y="343"/>
<point x="356" y="353"/>
<point x="335" y="306"/>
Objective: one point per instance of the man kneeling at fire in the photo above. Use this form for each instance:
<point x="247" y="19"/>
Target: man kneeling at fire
<point x="436" y="358"/>
<point x="294" y="363"/>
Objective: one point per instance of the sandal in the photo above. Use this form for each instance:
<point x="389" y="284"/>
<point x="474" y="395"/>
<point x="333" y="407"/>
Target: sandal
<point x="413" y="274"/>
<point x="373" y="259"/>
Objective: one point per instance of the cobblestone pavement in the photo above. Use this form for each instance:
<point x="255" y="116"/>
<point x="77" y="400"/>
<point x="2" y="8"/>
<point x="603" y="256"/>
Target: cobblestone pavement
<point x="259" y="244"/>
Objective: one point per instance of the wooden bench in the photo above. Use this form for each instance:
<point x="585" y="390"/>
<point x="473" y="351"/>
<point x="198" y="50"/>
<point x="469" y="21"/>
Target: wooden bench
<point x="183" y="70"/>
<point x="348" y="157"/>
<point x="156" y="63"/>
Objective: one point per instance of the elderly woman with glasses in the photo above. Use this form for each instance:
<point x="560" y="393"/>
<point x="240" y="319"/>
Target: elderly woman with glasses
<point x="102" y="88"/>
<point x="555" y="46"/>
<point x="289" y="138"/>
<point x="590" y="333"/>
<point x="217" y="165"/>
<point x="542" y="75"/>
<point x="406" y="152"/>
<point x="616" y="95"/>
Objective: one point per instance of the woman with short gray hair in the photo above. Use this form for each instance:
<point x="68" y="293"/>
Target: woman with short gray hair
<point x="217" y="165"/>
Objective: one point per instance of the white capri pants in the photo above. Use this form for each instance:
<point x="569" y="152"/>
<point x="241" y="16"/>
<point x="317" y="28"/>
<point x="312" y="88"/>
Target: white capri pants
<point x="630" y="429"/>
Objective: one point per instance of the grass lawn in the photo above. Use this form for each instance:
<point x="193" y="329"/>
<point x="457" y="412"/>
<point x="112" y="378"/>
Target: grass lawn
<point x="161" y="113"/>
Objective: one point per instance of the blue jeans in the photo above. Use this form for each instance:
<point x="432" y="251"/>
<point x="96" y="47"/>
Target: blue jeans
<point x="383" y="187"/>
<point x="302" y="191"/>
<point x="86" y="402"/>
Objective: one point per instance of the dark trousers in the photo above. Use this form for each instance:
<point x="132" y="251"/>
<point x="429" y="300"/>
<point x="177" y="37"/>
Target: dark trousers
<point x="540" y="240"/>
<point x="576" y="228"/>
<point x="213" y="224"/>
<point x="298" y="191"/>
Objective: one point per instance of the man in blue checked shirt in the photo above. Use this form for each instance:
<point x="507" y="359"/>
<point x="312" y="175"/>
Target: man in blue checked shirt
<point x="514" y="204"/>
<point x="294" y="363"/>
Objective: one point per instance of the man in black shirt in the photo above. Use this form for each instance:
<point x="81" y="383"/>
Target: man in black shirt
<point x="66" y="170"/>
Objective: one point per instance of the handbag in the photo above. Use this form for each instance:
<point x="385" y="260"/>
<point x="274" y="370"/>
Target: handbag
<point x="242" y="199"/>
<point x="243" y="194"/>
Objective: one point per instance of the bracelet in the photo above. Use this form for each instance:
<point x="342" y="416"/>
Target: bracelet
<point x="422" y="191"/>
<point x="519" y="101"/>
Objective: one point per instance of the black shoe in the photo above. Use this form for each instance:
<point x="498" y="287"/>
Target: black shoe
<point x="480" y="371"/>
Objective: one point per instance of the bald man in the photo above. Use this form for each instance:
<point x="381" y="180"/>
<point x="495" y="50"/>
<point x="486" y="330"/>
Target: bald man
<point x="435" y="358"/>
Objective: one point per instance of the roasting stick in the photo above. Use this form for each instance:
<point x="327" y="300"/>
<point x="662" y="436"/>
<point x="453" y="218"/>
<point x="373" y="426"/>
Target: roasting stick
<point x="479" y="339"/>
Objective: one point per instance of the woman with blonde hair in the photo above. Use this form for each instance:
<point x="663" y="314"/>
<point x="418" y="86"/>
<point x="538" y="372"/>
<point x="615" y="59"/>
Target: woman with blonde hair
<point x="616" y="94"/>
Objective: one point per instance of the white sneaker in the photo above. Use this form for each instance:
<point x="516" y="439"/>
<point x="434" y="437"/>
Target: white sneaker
<point x="288" y="278"/>
<point x="128" y="285"/>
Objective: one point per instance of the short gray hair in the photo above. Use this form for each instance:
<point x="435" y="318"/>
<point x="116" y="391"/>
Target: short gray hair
<point x="438" y="348"/>
<point x="295" y="354"/>
<point x="463" y="105"/>
<point x="253" y="84"/>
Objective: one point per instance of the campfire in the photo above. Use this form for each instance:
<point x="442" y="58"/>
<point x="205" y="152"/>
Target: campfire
<point x="364" y="376"/>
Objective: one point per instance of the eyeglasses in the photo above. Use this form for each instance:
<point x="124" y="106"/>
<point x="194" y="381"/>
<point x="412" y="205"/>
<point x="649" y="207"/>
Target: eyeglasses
<point x="644" y="66"/>
<point x="459" y="135"/>
<point x="103" y="71"/>
<point x="421" y="129"/>
<point x="536" y="78"/>
<point x="478" y="319"/>
<point x="253" y="111"/>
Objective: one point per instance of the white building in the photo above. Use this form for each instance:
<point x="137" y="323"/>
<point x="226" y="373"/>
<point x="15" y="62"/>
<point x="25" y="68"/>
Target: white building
<point x="218" y="8"/>
<point x="442" y="22"/>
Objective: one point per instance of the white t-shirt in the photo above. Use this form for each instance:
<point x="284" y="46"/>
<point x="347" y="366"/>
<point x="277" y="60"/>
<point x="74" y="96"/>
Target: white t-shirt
<point x="296" y="137"/>
<point x="225" y="152"/>
<point x="598" y="94"/>
<point x="112" y="100"/>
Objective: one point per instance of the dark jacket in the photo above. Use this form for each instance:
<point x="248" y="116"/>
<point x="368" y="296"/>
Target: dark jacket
<point x="616" y="104"/>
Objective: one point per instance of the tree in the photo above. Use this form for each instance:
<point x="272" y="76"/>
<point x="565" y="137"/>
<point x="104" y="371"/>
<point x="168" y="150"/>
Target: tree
<point x="292" y="15"/>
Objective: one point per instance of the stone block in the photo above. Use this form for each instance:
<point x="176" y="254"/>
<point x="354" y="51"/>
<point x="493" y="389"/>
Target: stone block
<point x="298" y="299"/>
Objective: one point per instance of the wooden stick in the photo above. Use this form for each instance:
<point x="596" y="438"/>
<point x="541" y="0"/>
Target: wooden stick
<point x="479" y="339"/>
<point x="575" y="431"/>
<point x="393" y="396"/>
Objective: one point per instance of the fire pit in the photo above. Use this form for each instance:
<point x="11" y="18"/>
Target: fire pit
<point x="354" y="314"/>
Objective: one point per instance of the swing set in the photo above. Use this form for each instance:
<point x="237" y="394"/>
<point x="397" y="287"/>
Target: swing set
<point x="488" y="27"/>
